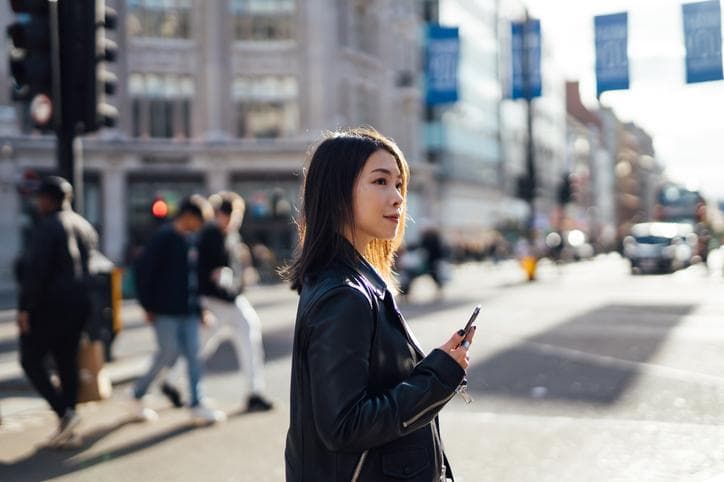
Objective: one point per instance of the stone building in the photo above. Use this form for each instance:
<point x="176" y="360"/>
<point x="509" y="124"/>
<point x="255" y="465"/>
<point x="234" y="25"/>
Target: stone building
<point x="227" y="95"/>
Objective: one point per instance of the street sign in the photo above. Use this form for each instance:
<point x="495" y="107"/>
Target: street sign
<point x="526" y="60"/>
<point x="702" y="32"/>
<point x="612" y="71"/>
<point x="443" y="52"/>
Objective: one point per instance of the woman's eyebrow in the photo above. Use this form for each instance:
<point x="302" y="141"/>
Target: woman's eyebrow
<point x="384" y="171"/>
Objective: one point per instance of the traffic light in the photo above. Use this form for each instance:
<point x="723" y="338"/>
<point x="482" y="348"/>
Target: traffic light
<point x="159" y="208"/>
<point x="84" y="52"/>
<point x="565" y="190"/>
<point x="31" y="59"/>
<point x="526" y="187"/>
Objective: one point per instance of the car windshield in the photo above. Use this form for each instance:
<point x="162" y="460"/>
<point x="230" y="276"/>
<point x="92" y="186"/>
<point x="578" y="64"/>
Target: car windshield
<point x="652" y="240"/>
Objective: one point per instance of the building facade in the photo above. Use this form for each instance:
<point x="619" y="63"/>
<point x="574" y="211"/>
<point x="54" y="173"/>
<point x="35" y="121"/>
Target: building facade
<point x="463" y="138"/>
<point x="227" y="95"/>
<point x="591" y="167"/>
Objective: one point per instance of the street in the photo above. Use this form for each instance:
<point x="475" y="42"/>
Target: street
<point x="587" y="374"/>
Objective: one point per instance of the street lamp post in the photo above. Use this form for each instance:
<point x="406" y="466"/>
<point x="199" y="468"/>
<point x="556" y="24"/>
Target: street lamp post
<point x="529" y="260"/>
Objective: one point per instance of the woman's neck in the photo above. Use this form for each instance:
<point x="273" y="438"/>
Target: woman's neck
<point x="359" y="244"/>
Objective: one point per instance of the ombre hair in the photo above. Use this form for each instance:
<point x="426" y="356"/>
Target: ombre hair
<point x="327" y="205"/>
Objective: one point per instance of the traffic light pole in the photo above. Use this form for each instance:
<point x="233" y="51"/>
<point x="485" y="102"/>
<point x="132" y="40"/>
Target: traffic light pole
<point x="64" y="130"/>
<point x="54" y="23"/>
<point x="70" y="166"/>
<point x="64" y="152"/>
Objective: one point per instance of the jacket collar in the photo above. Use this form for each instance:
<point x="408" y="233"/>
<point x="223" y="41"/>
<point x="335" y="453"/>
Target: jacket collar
<point x="377" y="283"/>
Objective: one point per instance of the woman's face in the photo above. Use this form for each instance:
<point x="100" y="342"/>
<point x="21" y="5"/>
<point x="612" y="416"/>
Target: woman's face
<point x="377" y="201"/>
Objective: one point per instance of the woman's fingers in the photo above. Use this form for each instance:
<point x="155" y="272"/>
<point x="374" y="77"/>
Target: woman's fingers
<point x="457" y="347"/>
<point x="453" y="342"/>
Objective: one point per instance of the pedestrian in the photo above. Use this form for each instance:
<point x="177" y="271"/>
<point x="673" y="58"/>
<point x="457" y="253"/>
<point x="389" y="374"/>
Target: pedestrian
<point x="54" y="304"/>
<point x="221" y="285"/>
<point x="432" y="254"/>
<point x="364" y="396"/>
<point x="167" y="281"/>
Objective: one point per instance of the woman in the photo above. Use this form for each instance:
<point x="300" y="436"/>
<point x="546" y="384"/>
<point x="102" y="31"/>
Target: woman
<point x="364" y="397"/>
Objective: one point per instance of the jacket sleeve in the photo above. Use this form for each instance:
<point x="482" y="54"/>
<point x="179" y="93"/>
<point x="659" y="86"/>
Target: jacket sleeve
<point x="212" y="255"/>
<point x="347" y="415"/>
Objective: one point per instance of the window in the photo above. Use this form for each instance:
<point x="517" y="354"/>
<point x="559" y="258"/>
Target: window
<point x="161" y="105"/>
<point x="159" y="18"/>
<point x="266" y="106"/>
<point x="364" y="27"/>
<point x="263" y="19"/>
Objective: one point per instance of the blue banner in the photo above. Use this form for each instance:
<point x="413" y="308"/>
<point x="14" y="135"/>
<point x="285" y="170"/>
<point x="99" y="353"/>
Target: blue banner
<point x="611" y="52"/>
<point x="441" y="69"/>
<point x="702" y="32"/>
<point x="525" y="59"/>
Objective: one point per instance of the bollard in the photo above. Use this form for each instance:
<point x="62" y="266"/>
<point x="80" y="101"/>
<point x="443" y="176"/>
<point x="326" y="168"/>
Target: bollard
<point x="529" y="264"/>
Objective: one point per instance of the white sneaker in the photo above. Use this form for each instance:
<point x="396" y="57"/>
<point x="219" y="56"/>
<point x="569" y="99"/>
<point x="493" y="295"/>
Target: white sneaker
<point x="138" y="411"/>
<point x="66" y="428"/>
<point x="203" y="415"/>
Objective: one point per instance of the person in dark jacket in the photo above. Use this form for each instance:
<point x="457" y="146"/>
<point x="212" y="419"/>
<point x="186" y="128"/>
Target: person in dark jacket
<point x="364" y="396"/>
<point x="53" y="304"/>
<point x="167" y="282"/>
<point x="221" y="285"/>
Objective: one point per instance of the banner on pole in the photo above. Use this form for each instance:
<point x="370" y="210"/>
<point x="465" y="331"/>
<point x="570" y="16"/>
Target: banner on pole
<point x="526" y="60"/>
<point x="611" y="52"/>
<point x="702" y="33"/>
<point x="441" y="69"/>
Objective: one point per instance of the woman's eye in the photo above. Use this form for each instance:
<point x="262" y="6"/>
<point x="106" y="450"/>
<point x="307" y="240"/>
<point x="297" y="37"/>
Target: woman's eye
<point x="381" y="181"/>
<point x="398" y="186"/>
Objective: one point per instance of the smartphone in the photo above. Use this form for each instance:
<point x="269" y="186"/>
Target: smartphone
<point x="470" y="322"/>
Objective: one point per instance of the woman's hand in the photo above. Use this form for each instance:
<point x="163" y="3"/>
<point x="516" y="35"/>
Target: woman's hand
<point x="457" y="347"/>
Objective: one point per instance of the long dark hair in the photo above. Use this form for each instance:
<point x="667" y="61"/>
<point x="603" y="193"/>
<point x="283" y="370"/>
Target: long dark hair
<point x="327" y="205"/>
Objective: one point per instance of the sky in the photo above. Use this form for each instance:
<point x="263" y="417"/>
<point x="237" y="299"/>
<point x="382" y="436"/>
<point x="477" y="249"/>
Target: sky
<point x="684" y="120"/>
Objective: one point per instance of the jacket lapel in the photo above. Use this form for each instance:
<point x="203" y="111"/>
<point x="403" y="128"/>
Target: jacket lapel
<point x="379" y="287"/>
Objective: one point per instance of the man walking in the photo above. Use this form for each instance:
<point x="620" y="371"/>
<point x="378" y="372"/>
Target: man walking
<point x="221" y="284"/>
<point x="168" y="291"/>
<point x="54" y="304"/>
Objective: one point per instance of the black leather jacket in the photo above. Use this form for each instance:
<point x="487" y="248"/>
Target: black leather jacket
<point x="55" y="268"/>
<point x="364" y="397"/>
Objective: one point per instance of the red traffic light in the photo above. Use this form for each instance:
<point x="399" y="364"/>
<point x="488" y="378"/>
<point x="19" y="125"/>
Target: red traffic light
<point x="159" y="209"/>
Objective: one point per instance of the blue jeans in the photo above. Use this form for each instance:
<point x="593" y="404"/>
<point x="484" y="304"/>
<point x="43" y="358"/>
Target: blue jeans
<point x="174" y="335"/>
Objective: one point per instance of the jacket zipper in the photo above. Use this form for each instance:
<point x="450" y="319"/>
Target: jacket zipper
<point x="358" y="468"/>
<point x="414" y="419"/>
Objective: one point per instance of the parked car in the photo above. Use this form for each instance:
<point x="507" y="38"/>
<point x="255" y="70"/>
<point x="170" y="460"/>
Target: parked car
<point x="660" y="247"/>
